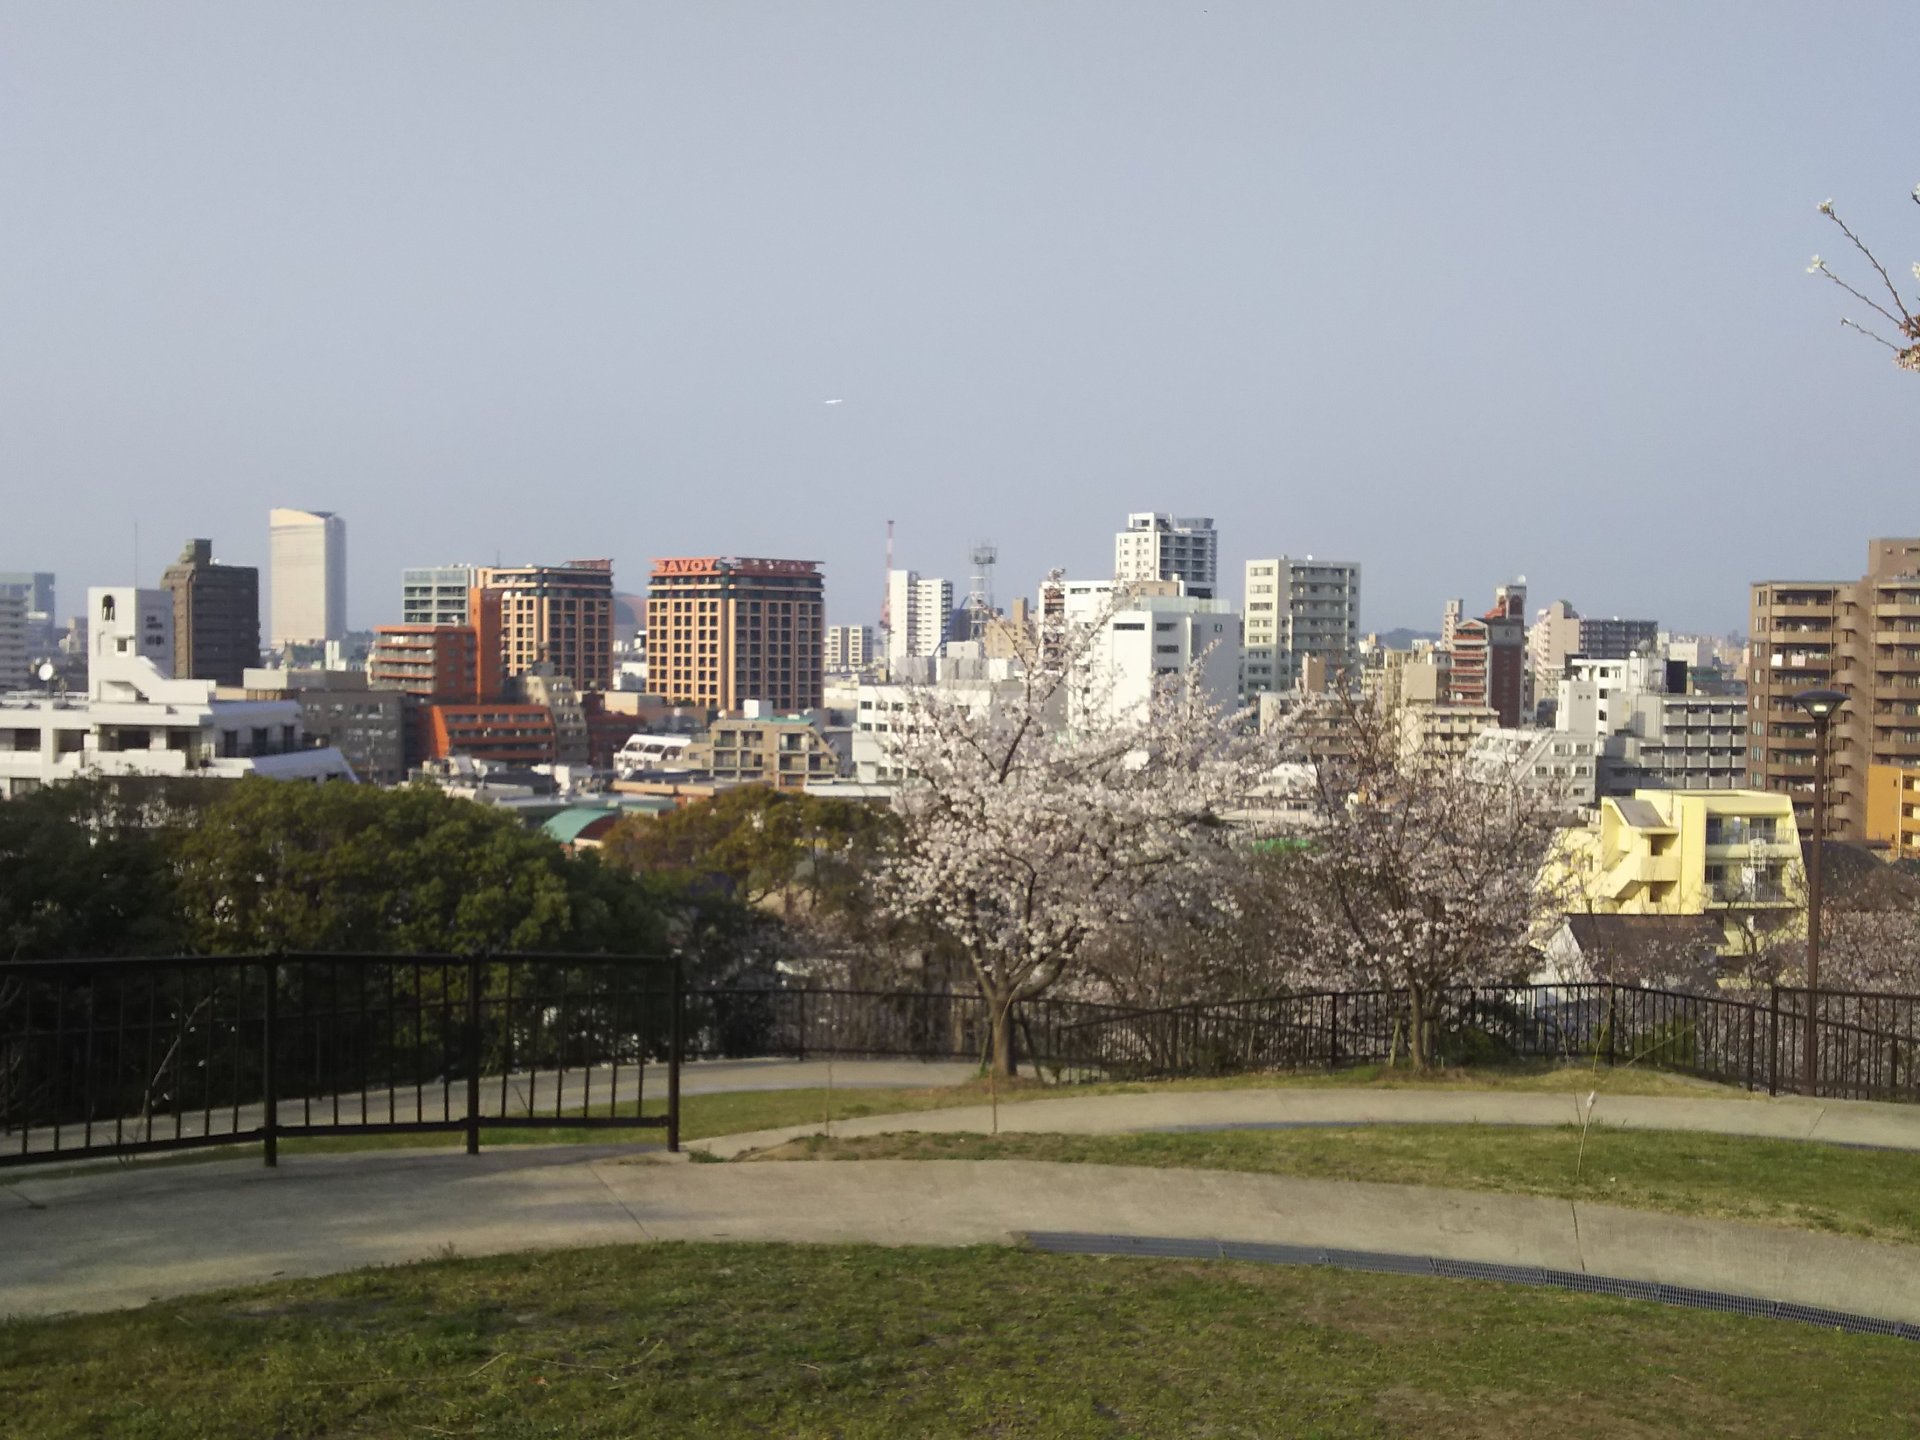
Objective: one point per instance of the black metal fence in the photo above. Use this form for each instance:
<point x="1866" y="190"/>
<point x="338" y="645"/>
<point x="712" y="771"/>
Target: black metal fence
<point x="122" y="1056"/>
<point x="130" y="1055"/>
<point x="803" y="1022"/>
<point x="1867" y="1046"/>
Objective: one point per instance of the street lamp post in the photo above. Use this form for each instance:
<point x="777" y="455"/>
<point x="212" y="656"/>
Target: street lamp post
<point x="1821" y="705"/>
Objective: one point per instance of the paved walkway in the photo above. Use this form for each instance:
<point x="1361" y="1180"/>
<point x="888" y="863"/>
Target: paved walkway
<point x="105" y="1242"/>
<point x="1894" y="1127"/>
<point x="105" y="1239"/>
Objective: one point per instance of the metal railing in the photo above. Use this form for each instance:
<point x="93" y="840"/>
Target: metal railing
<point x="116" y="1057"/>
<point x="809" y="1022"/>
<point x="1868" y="1045"/>
<point x="1732" y="1039"/>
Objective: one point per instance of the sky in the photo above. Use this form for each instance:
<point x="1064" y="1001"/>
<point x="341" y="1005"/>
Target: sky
<point x="1458" y="291"/>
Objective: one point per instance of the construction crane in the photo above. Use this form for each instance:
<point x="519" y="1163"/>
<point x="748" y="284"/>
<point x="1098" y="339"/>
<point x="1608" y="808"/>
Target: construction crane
<point x="886" y="598"/>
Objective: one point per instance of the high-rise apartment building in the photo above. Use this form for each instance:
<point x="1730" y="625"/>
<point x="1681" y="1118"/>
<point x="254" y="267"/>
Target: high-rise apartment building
<point x="307" y="559"/>
<point x="1858" y="636"/>
<point x="561" y="615"/>
<point x="1487" y="656"/>
<point x="1553" y="637"/>
<point x="722" y="630"/>
<point x="216" y="616"/>
<point x="435" y="594"/>
<point x="919" y="611"/>
<point x="849" y="649"/>
<point x="35" y="587"/>
<point x="1608" y="637"/>
<point x="1300" y="610"/>
<point x="1169" y="547"/>
<point x="14" y="657"/>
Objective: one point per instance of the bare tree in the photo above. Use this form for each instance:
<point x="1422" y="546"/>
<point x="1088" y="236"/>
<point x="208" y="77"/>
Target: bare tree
<point x="1422" y="873"/>
<point x="1025" y="841"/>
<point x="1238" y="937"/>
<point x="1869" y="927"/>
<point x="1906" y="350"/>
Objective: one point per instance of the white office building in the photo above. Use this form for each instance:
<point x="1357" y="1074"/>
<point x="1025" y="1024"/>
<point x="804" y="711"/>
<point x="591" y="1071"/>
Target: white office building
<point x="849" y="649"/>
<point x="1656" y="734"/>
<point x="918" y="611"/>
<point x="1297" y="609"/>
<point x="136" y="720"/>
<point x="1148" y="639"/>
<point x="435" y="594"/>
<point x="1169" y="547"/>
<point x="1561" y="767"/>
<point x="882" y="715"/>
<point x="307" y="557"/>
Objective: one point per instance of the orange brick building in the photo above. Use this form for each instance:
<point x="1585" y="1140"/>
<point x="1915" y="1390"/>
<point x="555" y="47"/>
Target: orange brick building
<point x="440" y="665"/>
<point x="493" y="730"/>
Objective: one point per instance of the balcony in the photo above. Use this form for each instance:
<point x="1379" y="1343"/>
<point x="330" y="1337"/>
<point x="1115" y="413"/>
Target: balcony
<point x="1798" y="607"/>
<point x="1639" y="868"/>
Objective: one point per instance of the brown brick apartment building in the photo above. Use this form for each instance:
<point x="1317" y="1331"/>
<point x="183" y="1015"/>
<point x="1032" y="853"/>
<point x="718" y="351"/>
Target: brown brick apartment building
<point x="1860" y="636"/>
<point x="725" y="630"/>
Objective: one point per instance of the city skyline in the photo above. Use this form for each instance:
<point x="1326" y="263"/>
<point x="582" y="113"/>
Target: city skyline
<point x="1458" y="295"/>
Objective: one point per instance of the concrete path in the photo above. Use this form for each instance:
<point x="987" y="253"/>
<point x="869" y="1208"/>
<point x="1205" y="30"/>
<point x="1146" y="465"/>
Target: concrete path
<point x="1895" y="1127"/>
<point x="98" y="1242"/>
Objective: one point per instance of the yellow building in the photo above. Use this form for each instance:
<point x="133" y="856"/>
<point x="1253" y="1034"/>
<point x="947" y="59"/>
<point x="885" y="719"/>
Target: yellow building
<point x="1893" y="808"/>
<point x="1734" y="854"/>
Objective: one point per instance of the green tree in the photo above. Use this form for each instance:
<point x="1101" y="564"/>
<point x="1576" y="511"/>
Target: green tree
<point x="86" y="869"/>
<point x="352" y="868"/>
<point x="809" y="854"/>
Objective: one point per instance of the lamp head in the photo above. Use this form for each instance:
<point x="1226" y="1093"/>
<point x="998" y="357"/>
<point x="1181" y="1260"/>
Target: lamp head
<point x="1820" y="704"/>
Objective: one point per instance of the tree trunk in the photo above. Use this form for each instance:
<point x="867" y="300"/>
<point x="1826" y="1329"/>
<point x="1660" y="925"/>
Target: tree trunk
<point x="1417" y="1037"/>
<point x="1001" y="1011"/>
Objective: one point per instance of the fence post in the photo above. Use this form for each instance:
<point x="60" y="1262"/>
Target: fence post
<point x="1613" y="1017"/>
<point x="1333" y="1031"/>
<point x="803" y="1016"/>
<point x="1773" y="1043"/>
<point x="1750" y="1033"/>
<point x="473" y="1054"/>
<point x="270" y="1089"/>
<point x="673" y="1056"/>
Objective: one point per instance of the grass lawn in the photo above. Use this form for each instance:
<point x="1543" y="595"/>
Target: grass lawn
<point x="676" y="1340"/>
<point x="1870" y="1193"/>
<point x="737" y="1112"/>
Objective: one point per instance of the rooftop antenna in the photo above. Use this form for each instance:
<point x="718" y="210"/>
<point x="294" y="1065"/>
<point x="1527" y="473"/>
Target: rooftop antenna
<point x="980" y="595"/>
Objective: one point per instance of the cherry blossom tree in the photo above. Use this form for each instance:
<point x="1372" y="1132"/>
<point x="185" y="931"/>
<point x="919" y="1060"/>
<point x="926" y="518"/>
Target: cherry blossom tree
<point x="1901" y="317"/>
<point x="1422" y="873"/>
<point x="1024" y="841"/>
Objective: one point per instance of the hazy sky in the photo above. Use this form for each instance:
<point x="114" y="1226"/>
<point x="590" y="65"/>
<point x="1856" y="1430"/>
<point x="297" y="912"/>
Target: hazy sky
<point x="1454" y="290"/>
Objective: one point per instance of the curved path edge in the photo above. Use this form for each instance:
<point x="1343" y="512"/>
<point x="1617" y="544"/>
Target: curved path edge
<point x="87" y="1243"/>
<point x="1895" y="1127"/>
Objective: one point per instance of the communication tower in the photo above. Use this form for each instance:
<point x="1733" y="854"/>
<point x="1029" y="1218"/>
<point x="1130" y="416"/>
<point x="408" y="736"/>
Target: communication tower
<point x="980" y="594"/>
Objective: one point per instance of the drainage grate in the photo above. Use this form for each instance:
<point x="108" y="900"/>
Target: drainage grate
<point x="1166" y="1247"/>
